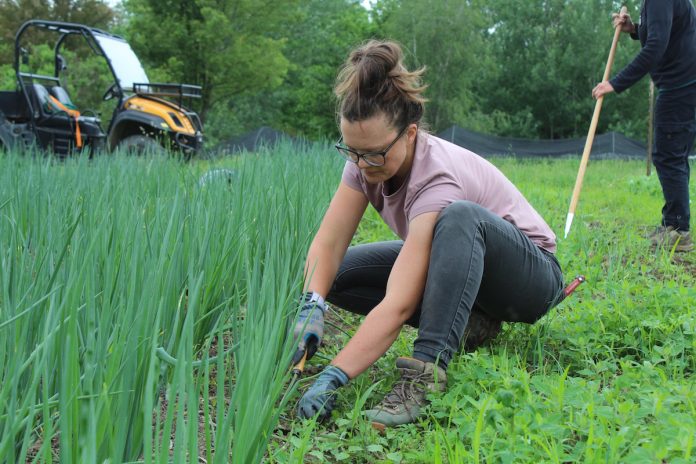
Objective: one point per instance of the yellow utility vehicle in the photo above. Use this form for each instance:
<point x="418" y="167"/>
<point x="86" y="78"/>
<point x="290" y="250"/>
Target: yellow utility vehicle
<point x="148" y="117"/>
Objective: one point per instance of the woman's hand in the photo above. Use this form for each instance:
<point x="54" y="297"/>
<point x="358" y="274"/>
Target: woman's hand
<point x="320" y="398"/>
<point x="309" y="328"/>
<point x="602" y="89"/>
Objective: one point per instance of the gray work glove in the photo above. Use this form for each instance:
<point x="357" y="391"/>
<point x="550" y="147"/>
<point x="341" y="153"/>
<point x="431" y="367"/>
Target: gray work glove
<point x="320" y="398"/>
<point x="309" y="329"/>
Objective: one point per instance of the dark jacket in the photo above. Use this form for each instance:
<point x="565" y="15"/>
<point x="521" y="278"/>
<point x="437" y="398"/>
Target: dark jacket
<point x="667" y="33"/>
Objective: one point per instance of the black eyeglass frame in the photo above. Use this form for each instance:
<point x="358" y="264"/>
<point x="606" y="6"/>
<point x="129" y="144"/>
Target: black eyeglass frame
<point x="348" y="153"/>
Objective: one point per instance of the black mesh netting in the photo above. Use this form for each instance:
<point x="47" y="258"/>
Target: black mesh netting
<point x="609" y="145"/>
<point x="253" y="141"/>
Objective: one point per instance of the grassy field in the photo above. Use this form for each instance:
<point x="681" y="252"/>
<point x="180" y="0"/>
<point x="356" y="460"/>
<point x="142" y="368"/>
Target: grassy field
<point x="605" y="377"/>
<point x="143" y="318"/>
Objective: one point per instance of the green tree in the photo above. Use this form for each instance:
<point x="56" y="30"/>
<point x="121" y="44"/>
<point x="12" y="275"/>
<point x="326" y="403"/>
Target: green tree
<point x="229" y="47"/>
<point x="319" y="39"/>
<point x="549" y="55"/>
<point x="516" y="68"/>
<point x="450" y="38"/>
<point x="13" y="13"/>
<point x="333" y="27"/>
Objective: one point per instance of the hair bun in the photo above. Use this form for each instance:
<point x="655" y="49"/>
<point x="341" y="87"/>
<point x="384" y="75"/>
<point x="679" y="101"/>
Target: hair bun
<point x="375" y="79"/>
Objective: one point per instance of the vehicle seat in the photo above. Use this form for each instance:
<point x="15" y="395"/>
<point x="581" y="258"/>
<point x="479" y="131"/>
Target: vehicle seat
<point x="62" y="96"/>
<point x="40" y="99"/>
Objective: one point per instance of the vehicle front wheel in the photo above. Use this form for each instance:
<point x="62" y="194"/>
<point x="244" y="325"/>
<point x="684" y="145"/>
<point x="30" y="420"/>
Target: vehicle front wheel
<point x="140" y="145"/>
<point x="4" y="132"/>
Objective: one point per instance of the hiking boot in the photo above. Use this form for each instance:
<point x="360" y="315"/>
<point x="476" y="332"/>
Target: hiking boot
<point x="480" y="329"/>
<point x="657" y="236"/>
<point x="669" y="237"/>
<point x="680" y="240"/>
<point x="403" y="404"/>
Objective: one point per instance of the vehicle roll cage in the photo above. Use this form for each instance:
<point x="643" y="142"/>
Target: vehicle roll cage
<point x="121" y="59"/>
<point x="65" y="30"/>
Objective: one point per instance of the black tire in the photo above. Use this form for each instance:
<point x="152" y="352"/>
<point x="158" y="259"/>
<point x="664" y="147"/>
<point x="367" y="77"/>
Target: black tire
<point x="141" y="145"/>
<point x="4" y="135"/>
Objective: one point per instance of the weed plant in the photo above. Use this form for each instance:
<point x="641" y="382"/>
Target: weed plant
<point x="607" y="376"/>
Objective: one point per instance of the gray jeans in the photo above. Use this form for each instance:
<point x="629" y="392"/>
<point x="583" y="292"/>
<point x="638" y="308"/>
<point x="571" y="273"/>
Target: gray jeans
<point x="477" y="260"/>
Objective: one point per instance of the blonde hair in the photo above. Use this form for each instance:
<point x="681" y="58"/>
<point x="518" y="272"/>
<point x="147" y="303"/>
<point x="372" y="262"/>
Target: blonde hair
<point x="374" y="79"/>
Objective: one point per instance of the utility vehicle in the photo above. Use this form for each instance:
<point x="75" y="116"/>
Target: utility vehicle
<point x="147" y="116"/>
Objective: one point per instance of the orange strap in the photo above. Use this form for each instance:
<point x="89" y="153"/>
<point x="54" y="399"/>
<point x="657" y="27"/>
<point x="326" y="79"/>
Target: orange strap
<point x="74" y="114"/>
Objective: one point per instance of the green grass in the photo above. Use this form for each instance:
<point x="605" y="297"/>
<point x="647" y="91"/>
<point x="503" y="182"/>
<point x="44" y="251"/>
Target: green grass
<point x="143" y="318"/>
<point x="605" y="377"/>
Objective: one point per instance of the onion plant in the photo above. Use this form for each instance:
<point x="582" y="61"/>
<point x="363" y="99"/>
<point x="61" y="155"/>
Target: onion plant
<point x="119" y="278"/>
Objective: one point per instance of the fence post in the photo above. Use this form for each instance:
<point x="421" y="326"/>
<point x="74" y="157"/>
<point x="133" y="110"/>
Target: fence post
<point x="651" y="115"/>
<point x="613" y="143"/>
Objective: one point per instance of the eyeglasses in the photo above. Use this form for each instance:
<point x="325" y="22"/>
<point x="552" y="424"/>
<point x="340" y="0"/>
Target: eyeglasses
<point x="374" y="158"/>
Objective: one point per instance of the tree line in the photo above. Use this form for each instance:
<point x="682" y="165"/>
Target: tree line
<point x="503" y="67"/>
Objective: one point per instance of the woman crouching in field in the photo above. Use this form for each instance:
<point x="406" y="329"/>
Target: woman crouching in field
<point x="473" y="252"/>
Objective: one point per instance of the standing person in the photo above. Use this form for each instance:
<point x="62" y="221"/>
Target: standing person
<point x="473" y="252"/>
<point x="667" y="33"/>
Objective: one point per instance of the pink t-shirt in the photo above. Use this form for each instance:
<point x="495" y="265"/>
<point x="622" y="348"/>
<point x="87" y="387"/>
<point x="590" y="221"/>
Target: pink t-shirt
<point x="443" y="173"/>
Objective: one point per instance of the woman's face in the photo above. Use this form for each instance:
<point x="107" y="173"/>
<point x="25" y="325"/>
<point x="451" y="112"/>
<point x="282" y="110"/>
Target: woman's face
<point x="376" y="135"/>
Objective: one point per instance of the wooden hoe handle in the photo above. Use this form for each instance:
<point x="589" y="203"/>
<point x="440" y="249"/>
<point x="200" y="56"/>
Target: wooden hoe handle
<point x="591" y="133"/>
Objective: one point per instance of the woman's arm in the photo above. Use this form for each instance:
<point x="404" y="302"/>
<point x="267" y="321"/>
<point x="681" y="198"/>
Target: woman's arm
<point x="404" y="291"/>
<point x="331" y="242"/>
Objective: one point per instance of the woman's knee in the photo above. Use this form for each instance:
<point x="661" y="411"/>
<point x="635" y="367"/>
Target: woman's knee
<point x="459" y="210"/>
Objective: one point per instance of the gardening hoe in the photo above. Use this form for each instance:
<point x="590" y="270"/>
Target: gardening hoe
<point x="591" y="133"/>
<point x="298" y="366"/>
<point x="570" y="288"/>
